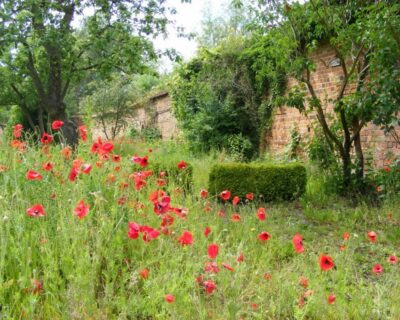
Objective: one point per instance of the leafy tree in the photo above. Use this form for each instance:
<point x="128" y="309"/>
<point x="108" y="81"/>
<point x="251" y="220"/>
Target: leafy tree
<point x="42" y="53"/>
<point x="364" y="36"/>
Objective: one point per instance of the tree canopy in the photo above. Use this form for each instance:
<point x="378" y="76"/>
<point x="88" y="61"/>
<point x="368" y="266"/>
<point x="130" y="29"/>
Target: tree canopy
<point x="43" y="53"/>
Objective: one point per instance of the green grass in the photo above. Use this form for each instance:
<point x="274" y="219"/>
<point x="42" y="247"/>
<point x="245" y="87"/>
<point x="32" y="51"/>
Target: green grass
<point x="90" y="268"/>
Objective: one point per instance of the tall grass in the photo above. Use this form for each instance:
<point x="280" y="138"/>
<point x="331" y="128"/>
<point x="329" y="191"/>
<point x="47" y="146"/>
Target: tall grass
<point x="90" y="268"/>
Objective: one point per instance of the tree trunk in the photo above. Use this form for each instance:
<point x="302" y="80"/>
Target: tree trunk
<point x="346" y="171"/>
<point x="359" y="155"/>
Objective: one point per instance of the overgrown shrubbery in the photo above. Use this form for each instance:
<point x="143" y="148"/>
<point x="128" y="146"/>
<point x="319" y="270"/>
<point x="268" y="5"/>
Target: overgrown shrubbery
<point x="268" y="182"/>
<point x="223" y="99"/>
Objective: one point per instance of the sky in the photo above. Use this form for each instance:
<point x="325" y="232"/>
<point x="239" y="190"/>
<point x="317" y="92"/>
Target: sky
<point x="189" y="16"/>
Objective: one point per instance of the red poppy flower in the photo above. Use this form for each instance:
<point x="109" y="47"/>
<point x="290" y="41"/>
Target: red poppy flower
<point x="81" y="210"/>
<point x="133" y="230"/>
<point x="235" y="217"/>
<point x="392" y="259"/>
<point x="261" y="215"/>
<point x="167" y="220"/>
<point x="331" y="298"/>
<point x="225" y="195"/>
<point x="17" y="131"/>
<point x="47" y="166"/>
<point x="221" y="213"/>
<point x="240" y="258"/>
<point x="342" y="247"/>
<point x="298" y="243"/>
<point x="33" y="175"/>
<point x="372" y="236"/>
<point x="73" y="174"/>
<point x="107" y="147"/>
<point x="57" y="124"/>
<point x="163" y="206"/>
<point x="227" y="267"/>
<point x="235" y="200"/>
<point x="207" y="231"/>
<point x="36" y="211"/>
<point x="209" y="286"/>
<point x="303" y="282"/>
<point x="186" y="238"/>
<point x="211" y="267"/>
<point x="377" y="269"/>
<point x="143" y="162"/>
<point x="326" y="262"/>
<point x="149" y="233"/>
<point x="250" y="196"/>
<point x="346" y="236"/>
<point x="203" y="193"/>
<point x="116" y="158"/>
<point x="267" y="276"/>
<point x="86" y="168"/>
<point x="213" y="251"/>
<point x="83" y="133"/>
<point x="386" y="168"/>
<point x="169" y="298"/>
<point x="182" y="165"/>
<point x="264" y="236"/>
<point x="161" y="182"/>
<point x="144" y="274"/>
<point x="46" y="138"/>
<point x="37" y="286"/>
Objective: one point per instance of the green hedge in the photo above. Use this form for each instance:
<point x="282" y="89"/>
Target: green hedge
<point x="271" y="182"/>
<point x="181" y="177"/>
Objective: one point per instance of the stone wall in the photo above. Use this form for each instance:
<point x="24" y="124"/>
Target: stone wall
<point x="157" y="111"/>
<point x="326" y="82"/>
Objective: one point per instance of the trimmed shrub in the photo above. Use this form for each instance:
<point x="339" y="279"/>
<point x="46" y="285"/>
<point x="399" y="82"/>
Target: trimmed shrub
<point x="182" y="177"/>
<point x="269" y="182"/>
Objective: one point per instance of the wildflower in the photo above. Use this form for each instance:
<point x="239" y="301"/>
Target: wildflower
<point x="207" y="231"/>
<point x="17" y="131"/>
<point x="36" y="211"/>
<point x="46" y="138"/>
<point x="213" y="251"/>
<point x="392" y="259"/>
<point x="264" y="236"/>
<point x="326" y="262"/>
<point x="182" y="165"/>
<point x="331" y="298"/>
<point x="81" y="210"/>
<point x="225" y="195"/>
<point x="303" y="282"/>
<point x="169" y="298"/>
<point x="209" y="286"/>
<point x="372" y="236"/>
<point x="235" y="217"/>
<point x="186" y="238"/>
<point x="377" y="269"/>
<point x="57" y="124"/>
<point x="83" y="133"/>
<point x="250" y="196"/>
<point x="144" y="273"/>
<point x="203" y="193"/>
<point x="261" y="215"/>
<point x="33" y="175"/>
<point x="235" y="200"/>
<point x="298" y="243"/>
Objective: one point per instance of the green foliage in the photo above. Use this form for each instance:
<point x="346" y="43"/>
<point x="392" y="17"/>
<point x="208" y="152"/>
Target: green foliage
<point x="220" y="93"/>
<point x="268" y="182"/>
<point x="239" y="148"/>
<point x="387" y="180"/>
<point x="293" y="146"/>
<point x="42" y="54"/>
<point x="150" y="133"/>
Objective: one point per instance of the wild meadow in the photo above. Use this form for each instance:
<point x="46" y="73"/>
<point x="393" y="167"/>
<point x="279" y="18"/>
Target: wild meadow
<point x="96" y="233"/>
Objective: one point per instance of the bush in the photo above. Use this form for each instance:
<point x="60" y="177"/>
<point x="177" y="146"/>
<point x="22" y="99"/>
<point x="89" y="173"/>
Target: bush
<point x="270" y="182"/>
<point x="240" y="148"/>
<point x="181" y="177"/>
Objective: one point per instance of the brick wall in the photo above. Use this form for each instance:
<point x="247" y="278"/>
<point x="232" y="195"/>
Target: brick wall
<point x="326" y="82"/>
